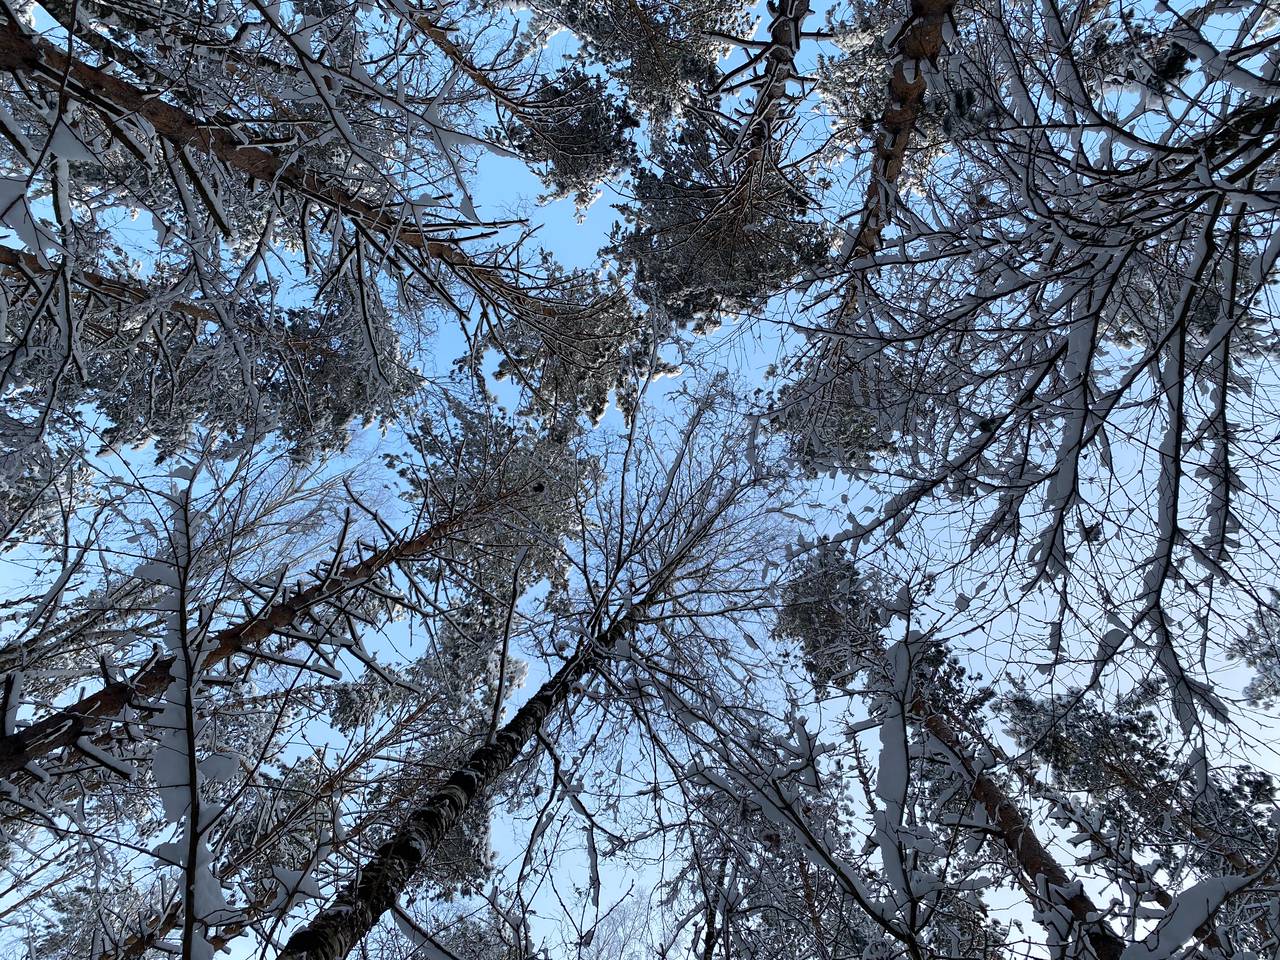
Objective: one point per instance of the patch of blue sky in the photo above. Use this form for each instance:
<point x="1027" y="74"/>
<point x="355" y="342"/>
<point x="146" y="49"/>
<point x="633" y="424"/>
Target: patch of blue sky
<point x="503" y="189"/>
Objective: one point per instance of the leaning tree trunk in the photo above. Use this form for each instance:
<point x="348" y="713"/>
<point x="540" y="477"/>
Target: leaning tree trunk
<point x="31" y="56"/>
<point x="336" y="931"/>
<point x="1042" y="877"/>
<point x="1019" y="837"/>
<point x="85" y="716"/>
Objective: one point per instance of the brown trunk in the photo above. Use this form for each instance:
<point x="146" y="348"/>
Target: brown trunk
<point x="1157" y="892"/>
<point x="63" y="728"/>
<point x="1032" y="859"/>
<point x="115" y="97"/>
<point x="458" y="57"/>
<point x="919" y="42"/>
<point x="1019" y="838"/>
<point x="336" y="931"/>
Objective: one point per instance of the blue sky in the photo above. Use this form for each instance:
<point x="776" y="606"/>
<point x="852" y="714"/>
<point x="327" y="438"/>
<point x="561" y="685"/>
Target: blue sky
<point x="504" y="188"/>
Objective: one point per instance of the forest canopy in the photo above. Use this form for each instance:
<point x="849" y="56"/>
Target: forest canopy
<point x="640" y="480"/>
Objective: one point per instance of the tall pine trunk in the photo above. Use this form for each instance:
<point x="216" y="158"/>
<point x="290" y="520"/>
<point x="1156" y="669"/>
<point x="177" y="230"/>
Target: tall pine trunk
<point x="336" y="931"/>
<point x="1017" y="834"/>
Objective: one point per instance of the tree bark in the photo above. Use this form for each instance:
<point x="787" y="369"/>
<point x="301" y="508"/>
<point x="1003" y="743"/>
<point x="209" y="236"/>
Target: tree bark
<point x="336" y="931"/>
<point x="118" y="294"/>
<point x="124" y="292"/>
<point x="1031" y="857"/>
<point x="66" y="726"/>
<point x="919" y="41"/>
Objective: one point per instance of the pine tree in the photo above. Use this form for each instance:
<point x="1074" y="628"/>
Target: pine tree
<point x="367" y="588"/>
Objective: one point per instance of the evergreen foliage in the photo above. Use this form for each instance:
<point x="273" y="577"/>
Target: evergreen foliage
<point x="694" y="480"/>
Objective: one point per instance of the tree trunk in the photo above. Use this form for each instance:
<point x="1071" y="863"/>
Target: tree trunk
<point x="64" y="728"/>
<point x="107" y="93"/>
<point x="920" y="41"/>
<point x="335" y="931"/>
<point x="785" y="30"/>
<point x="1020" y="839"/>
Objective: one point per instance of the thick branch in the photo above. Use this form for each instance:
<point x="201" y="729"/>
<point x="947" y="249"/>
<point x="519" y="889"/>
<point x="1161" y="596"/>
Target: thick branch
<point x="21" y="52"/>
<point x="122" y="295"/>
<point x="63" y="728"/>
<point x="126" y="292"/>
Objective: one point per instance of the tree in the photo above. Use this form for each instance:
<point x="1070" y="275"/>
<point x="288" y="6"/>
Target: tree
<point x="869" y="554"/>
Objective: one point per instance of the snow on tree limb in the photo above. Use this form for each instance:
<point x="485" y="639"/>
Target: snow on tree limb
<point x="91" y="713"/>
<point x="386" y="223"/>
